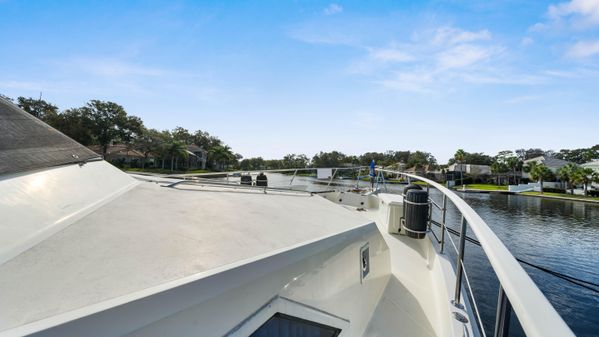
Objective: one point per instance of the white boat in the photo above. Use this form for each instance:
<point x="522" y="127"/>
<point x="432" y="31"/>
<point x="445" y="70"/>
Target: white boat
<point x="88" y="250"/>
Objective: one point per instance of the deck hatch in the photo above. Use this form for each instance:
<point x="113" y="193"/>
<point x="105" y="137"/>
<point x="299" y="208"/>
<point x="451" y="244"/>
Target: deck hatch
<point x="285" y="325"/>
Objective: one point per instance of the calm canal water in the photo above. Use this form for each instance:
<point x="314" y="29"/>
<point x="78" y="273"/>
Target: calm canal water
<point x="559" y="235"/>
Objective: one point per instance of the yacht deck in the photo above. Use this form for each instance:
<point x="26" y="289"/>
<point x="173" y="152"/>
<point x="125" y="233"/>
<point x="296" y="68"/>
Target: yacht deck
<point x="153" y="234"/>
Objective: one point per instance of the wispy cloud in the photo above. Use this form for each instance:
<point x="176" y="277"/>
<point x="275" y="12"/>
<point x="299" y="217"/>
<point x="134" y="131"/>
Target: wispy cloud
<point x="522" y="99"/>
<point x="112" y="68"/>
<point x="584" y="49"/>
<point x="441" y="59"/>
<point x="580" y="12"/>
<point x="333" y="9"/>
<point x="570" y="15"/>
<point x="391" y="54"/>
<point x="22" y="85"/>
<point x="526" y="41"/>
<point x="427" y="60"/>
<point x="463" y="56"/>
<point x="450" y="36"/>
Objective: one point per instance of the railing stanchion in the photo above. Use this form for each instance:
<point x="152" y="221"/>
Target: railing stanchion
<point x="459" y="272"/>
<point x="502" y="318"/>
<point x="332" y="176"/>
<point x="294" y="173"/>
<point x="443" y="213"/>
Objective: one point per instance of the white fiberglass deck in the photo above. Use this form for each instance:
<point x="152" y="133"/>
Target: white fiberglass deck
<point x="151" y="235"/>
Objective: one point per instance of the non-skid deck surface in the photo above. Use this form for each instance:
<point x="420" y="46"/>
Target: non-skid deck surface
<point x="154" y="234"/>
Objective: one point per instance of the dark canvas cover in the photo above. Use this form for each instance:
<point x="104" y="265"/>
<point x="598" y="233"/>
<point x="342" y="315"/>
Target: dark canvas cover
<point x="27" y="143"/>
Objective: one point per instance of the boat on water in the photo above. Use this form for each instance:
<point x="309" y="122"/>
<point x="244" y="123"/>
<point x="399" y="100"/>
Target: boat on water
<point x="88" y="250"/>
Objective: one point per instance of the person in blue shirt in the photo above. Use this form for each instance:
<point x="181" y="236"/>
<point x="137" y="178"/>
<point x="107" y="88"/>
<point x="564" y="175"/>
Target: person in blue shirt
<point x="372" y="173"/>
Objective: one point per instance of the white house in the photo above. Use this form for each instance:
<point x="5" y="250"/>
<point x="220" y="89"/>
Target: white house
<point x="197" y="157"/>
<point x="592" y="164"/>
<point x="552" y="163"/>
<point x="595" y="166"/>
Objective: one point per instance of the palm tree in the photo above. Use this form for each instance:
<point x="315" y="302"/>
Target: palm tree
<point x="497" y="168"/>
<point x="585" y="175"/>
<point x="221" y="155"/>
<point x="459" y="158"/>
<point x="566" y="174"/>
<point x="539" y="172"/>
<point x="513" y="162"/>
<point x="175" y="150"/>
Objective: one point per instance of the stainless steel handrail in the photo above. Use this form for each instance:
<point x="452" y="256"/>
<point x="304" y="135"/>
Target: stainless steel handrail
<point x="536" y="315"/>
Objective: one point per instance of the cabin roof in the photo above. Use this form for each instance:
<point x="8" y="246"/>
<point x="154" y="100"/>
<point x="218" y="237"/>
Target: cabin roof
<point x="151" y="235"/>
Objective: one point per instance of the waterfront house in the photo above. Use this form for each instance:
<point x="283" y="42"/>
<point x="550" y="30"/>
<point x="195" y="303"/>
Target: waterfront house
<point x="197" y="157"/>
<point x="119" y="154"/>
<point x="472" y="169"/>
<point x="552" y="163"/>
<point x="592" y="165"/>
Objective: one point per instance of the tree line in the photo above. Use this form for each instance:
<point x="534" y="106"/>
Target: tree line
<point x="417" y="159"/>
<point x="105" y="123"/>
<point x="510" y="164"/>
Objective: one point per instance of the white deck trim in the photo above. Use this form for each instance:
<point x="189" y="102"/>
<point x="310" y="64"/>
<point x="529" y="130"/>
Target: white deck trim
<point x="302" y="250"/>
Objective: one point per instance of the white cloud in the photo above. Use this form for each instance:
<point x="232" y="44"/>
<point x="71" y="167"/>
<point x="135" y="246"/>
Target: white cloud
<point x="390" y="55"/>
<point x="436" y="60"/>
<point x="451" y="36"/>
<point x="584" y="49"/>
<point x="333" y="9"/>
<point x="583" y="11"/>
<point x="572" y="73"/>
<point x="574" y="14"/>
<point x="112" y="68"/>
<point x="527" y="41"/>
<point x="22" y="85"/>
<point x="418" y="81"/>
<point x="522" y="99"/>
<point x="463" y="56"/>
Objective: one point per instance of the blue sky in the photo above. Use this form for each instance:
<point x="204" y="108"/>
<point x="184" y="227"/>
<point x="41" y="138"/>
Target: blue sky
<point x="275" y="77"/>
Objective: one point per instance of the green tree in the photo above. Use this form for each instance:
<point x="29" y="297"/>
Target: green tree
<point x="585" y="176"/>
<point x="75" y="124"/>
<point x="182" y="135"/>
<point x="222" y="156"/>
<point x="498" y="167"/>
<point x="150" y="141"/>
<point x="420" y="159"/>
<point x="295" y="161"/>
<point x="329" y="159"/>
<point x="506" y="161"/>
<point x="38" y="108"/>
<point x="249" y="164"/>
<point x="539" y="173"/>
<point x="579" y="156"/>
<point x="567" y="174"/>
<point x="108" y="122"/>
<point x="176" y="150"/>
<point x="459" y="157"/>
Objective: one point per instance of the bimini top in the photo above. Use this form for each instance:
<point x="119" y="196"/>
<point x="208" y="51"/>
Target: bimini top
<point x="26" y="143"/>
